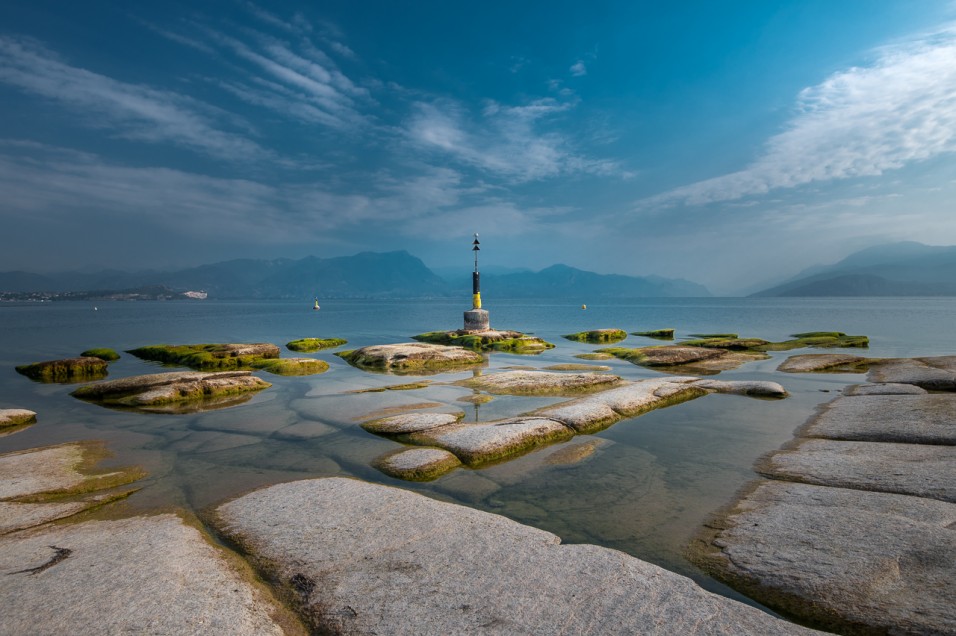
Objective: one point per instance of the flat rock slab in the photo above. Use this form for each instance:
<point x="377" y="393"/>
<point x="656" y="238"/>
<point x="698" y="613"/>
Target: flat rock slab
<point x="369" y="559"/>
<point x="412" y="357"/>
<point x="852" y="560"/>
<point x="417" y="464"/>
<point x="934" y="374"/>
<point x="410" y="423"/>
<point x="540" y="382"/>
<point x="39" y="470"/>
<point x="160" y="389"/>
<point x="913" y="419"/>
<point x="752" y="388"/>
<point x="816" y="362"/>
<point x="145" y="575"/>
<point x="476" y="444"/>
<point x="887" y="388"/>
<point x="13" y="420"/>
<point x="911" y="469"/>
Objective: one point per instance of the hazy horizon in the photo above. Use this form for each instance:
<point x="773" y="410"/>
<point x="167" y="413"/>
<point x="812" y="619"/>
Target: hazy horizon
<point x="728" y="147"/>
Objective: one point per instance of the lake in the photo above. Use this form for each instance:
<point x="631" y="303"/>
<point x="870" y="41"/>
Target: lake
<point x="643" y="486"/>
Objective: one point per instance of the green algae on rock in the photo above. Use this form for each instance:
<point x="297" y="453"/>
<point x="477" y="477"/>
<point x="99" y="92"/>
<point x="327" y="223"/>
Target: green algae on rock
<point x="417" y="464"/>
<point x="598" y="336"/>
<point x="492" y="340"/>
<point x="66" y="370"/>
<point x="311" y="345"/>
<point x="109" y="355"/>
<point x="411" y="358"/>
<point x="209" y="357"/>
<point x="659" y="334"/>
<point x="541" y="383"/>
<point x="167" y="390"/>
<point x="293" y="366"/>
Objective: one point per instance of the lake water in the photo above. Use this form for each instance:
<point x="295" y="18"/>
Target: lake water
<point x="646" y="488"/>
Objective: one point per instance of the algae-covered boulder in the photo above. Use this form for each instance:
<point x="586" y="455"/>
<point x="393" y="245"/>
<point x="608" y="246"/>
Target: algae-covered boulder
<point x="209" y="357"/>
<point x="491" y="340"/>
<point x="66" y="370"/>
<point x="15" y="419"/>
<point x="657" y="334"/>
<point x="108" y="355"/>
<point x="417" y="464"/>
<point x="411" y="357"/>
<point x="541" y="383"/>
<point x="598" y="335"/>
<point x="172" y="389"/>
<point x="293" y="366"/>
<point x="310" y="345"/>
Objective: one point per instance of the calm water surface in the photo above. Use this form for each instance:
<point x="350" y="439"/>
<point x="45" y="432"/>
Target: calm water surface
<point x="644" y="486"/>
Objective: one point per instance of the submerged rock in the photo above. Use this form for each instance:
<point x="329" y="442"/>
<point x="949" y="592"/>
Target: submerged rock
<point x="540" y="382"/>
<point x="421" y="566"/>
<point x="855" y="561"/>
<point x="412" y="357"/>
<point x="67" y="370"/>
<point x="169" y="389"/>
<point x="598" y="335"/>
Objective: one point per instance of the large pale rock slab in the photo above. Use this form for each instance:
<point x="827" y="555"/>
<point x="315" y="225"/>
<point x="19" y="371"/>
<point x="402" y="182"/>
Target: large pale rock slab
<point x="910" y="469"/>
<point x="888" y="388"/>
<point x="159" y="390"/>
<point x="41" y="470"/>
<point x="915" y="419"/>
<point x="476" y="444"/>
<point x="817" y="362"/>
<point x="934" y="374"/>
<point x="860" y="562"/>
<point x="420" y="566"/>
<point x="752" y="388"/>
<point x="410" y="422"/>
<point x="541" y="382"/>
<point x="145" y="575"/>
<point x="412" y="357"/>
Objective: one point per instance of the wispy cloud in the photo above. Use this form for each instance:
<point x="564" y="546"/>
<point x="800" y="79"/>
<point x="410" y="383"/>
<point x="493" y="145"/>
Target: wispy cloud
<point x="578" y="69"/>
<point x="507" y="141"/>
<point x="128" y="110"/>
<point x="859" y="122"/>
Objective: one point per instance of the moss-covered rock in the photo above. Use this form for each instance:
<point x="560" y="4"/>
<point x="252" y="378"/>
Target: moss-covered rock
<point x="209" y="357"/>
<point x="417" y="464"/>
<point x="310" y="345"/>
<point x="66" y="370"/>
<point x="12" y="420"/>
<point x="107" y="355"/>
<point x="492" y="340"/>
<point x="293" y="366"/>
<point x="163" y="389"/>
<point x="599" y="336"/>
<point x="706" y="336"/>
<point x="659" y="334"/>
<point x="412" y="358"/>
<point x="541" y="383"/>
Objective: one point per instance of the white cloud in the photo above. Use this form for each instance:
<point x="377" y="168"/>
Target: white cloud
<point x="131" y="111"/>
<point x="578" y="69"/>
<point x="859" y="122"/>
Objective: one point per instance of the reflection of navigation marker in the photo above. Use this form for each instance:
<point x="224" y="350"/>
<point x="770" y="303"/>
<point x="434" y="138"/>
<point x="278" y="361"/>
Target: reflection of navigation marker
<point x="477" y="318"/>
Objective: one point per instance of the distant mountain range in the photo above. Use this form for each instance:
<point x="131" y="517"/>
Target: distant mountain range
<point x="897" y="269"/>
<point x="365" y="275"/>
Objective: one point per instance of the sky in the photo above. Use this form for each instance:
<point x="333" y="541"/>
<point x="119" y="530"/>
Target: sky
<point x="728" y="143"/>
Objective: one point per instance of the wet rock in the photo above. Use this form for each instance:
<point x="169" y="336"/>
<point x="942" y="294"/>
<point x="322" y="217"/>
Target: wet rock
<point x="914" y="419"/>
<point x="67" y="370"/>
<point x="310" y="345"/>
<point x="428" y="567"/>
<point x="159" y="389"/>
<point x="855" y="561"/>
<point x="933" y="374"/>
<point x="540" y="382"/>
<point x="490" y="340"/>
<point x="103" y="353"/>
<point x="753" y="388"/>
<point x="15" y="419"/>
<point x="883" y="389"/>
<point x="151" y="575"/>
<point x="573" y="452"/>
<point x="659" y="334"/>
<point x="476" y="444"/>
<point x="304" y="430"/>
<point x="577" y="367"/>
<point x="410" y="423"/>
<point x="911" y="469"/>
<point x="417" y="464"/>
<point x="412" y="357"/>
<point x="815" y="362"/>
<point x="598" y="335"/>
<point x="210" y="357"/>
<point x="293" y="366"/>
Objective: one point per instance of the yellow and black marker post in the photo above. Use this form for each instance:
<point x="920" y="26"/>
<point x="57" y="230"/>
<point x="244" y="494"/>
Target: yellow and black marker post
<point x="476" y="279"/>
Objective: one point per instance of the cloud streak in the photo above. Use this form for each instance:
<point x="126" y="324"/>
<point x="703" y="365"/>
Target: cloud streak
<point x="859" y="122"/>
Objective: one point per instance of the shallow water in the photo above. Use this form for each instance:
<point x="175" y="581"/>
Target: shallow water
<point x="643" y="486"/>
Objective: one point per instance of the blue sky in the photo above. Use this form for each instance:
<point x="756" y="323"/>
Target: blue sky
<point x="728" y="143"/>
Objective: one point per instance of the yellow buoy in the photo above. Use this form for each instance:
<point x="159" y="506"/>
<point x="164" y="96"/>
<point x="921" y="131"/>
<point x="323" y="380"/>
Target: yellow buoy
<point x="584" y="306"/>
